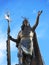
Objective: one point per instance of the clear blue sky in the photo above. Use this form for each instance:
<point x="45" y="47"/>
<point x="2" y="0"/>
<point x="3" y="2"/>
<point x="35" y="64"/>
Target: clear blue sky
<point x="28" y="9"/>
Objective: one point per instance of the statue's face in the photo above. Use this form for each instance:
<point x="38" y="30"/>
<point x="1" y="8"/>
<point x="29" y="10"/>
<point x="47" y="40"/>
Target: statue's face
<point x="26" y="23"/>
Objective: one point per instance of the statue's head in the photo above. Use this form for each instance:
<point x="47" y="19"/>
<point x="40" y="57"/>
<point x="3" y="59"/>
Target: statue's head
<point x="25" y="23"/>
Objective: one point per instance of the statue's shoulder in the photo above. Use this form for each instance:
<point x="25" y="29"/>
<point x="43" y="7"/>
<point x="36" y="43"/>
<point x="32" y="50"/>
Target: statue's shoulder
<point x="20" y="32"/>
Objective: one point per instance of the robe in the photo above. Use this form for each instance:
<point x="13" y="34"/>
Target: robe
<point x="38" y="57"/>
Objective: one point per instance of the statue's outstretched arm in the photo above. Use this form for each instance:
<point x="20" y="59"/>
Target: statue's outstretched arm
<point x="15" y="40"/>
<point x="37" y="20"/>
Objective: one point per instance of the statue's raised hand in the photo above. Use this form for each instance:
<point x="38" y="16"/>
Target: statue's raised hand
<point x="39" y="13"/>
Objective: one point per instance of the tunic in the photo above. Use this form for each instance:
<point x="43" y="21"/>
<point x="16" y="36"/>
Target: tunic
<point x="26" y="42"/>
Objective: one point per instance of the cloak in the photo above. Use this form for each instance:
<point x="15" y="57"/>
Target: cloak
<point x="38" y="56"/>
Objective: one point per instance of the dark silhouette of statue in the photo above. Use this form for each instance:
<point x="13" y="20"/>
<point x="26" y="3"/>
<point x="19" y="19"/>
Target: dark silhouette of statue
<point x="26" y="42"/>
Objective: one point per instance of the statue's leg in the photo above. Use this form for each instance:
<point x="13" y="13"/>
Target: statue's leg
<point x="28" y="59"/>
<point x="24" y="58"/>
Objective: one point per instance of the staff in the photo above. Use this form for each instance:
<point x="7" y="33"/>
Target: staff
<point x="7" y="17"/>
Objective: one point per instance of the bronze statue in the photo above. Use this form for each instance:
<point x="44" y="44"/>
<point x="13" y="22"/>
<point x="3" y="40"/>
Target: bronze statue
<point x="26" y="42"/>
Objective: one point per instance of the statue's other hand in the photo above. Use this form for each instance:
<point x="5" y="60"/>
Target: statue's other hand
<point x="39" y="12"/>
<point x="10" y="37"/>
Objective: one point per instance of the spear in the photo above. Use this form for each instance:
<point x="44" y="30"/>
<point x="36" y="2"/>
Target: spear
<point x="7" y="17"/>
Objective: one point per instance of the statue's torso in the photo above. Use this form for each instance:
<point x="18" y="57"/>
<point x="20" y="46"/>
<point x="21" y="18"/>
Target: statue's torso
<point x="26" y="40"/>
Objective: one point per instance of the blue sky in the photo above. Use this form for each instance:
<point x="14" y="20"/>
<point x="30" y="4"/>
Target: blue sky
<point x="28" y="9"/>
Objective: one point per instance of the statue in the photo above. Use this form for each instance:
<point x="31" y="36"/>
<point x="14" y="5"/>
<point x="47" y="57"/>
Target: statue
<point x="26" y="42"/>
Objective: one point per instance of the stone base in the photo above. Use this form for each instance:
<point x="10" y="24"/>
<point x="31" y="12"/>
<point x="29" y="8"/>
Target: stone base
<point x="16" y="64"/>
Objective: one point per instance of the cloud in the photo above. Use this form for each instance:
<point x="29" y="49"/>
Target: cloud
<point x="2" y="16"/>
<point x="2" y="41"/>
<point x="3" y="52"/>
<point x="34" y="11"/>
<point x="42" y="31"/>
<point x="1" y="55"/>
<point x="40" y="34"/>
<point x="2" y="45"/>
<point x="2" y="48"/>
